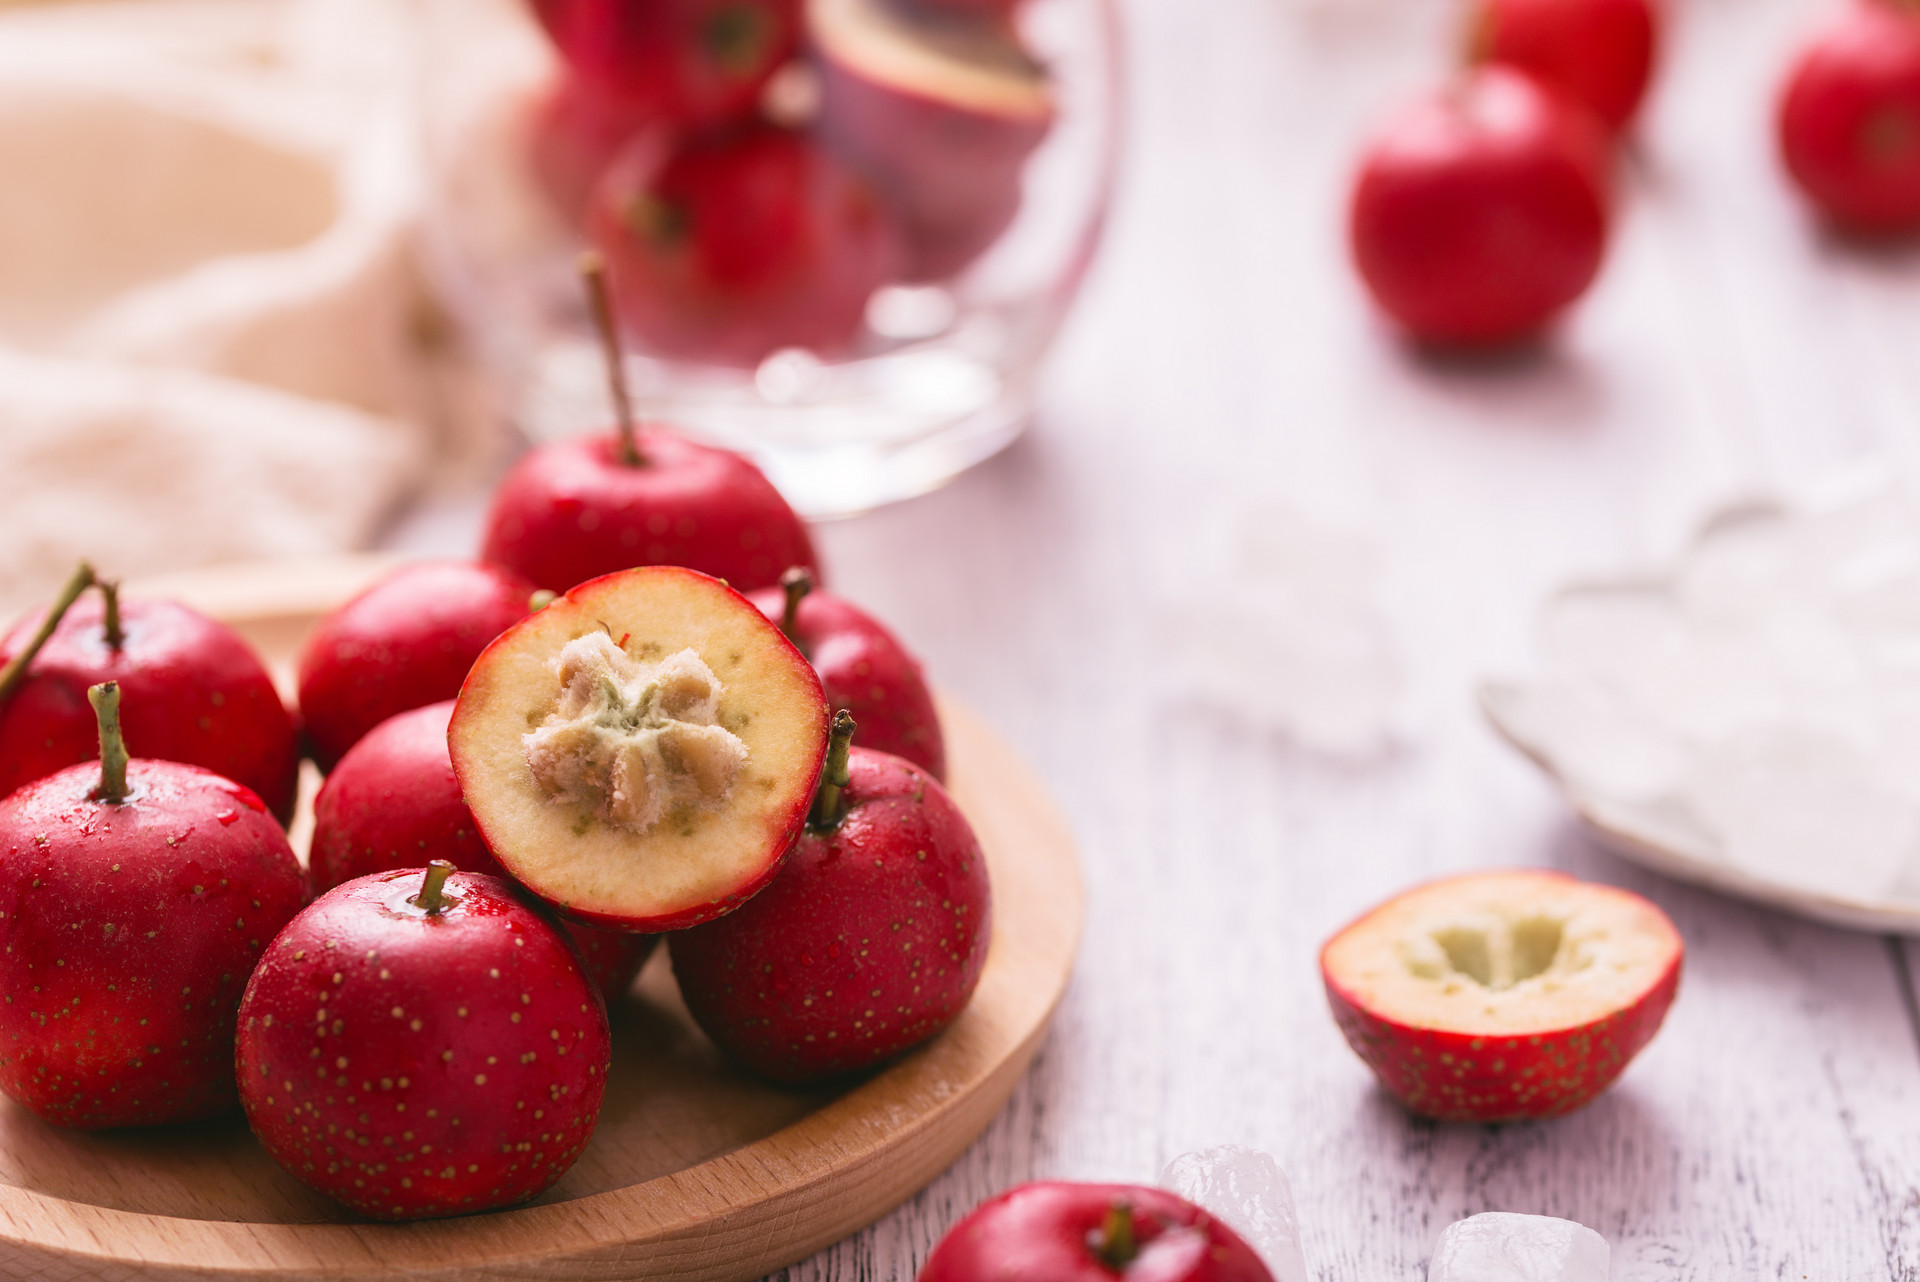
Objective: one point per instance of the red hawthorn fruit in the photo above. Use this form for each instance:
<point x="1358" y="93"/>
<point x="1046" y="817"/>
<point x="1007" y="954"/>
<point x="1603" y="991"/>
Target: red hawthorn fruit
<point x="732" y="246"/>
<point x="1850" y="117"/>
<point x="683" y="62"/>
<point x="393" y="802"/>
<point x="194" y="692"/>
<point x="576" y="130"/>
<point x="405" y="642"/>
<point x="423" y="1043"/>
<point x="1503" y="995"/>
<point x="868" y="942"/>
<point x="863" y="668"/>
<point x="642" y="752"/>
<point x="1598" y="52"/>
<point x="574" y="510"/>
<point x="1054" y="1231"/>
<point x="940" y="105"/>
<point x="133" y="907"/>
<point x="1481" y="212"/>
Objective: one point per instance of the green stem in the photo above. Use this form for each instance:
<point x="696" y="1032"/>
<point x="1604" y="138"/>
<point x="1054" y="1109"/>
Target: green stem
<point x="16" y="670"/>
<point x="105" y="699"/>
<point x="110" y="594"/>
<point x="796" y="583"/>
<point x="430" y="900"/>
<point x="593" y="271"/>
<point x="541" y="600"/>
<point x="828" y="809"/>
<point x="1113" y="1241"/>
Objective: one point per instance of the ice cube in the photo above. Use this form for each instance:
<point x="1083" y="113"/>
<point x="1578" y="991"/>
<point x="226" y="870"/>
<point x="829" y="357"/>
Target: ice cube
<point x="1501" y="1246"/>
<point x="1249" y="1192"/>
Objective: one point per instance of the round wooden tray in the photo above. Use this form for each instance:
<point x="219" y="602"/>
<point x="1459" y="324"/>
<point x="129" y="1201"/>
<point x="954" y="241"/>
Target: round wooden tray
<point x="696" y="1171"/>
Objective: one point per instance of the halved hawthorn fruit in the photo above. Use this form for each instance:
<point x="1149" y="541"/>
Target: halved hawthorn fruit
<point x="642" y="753"/>
<point x="1502" y="995"/>
<point x="940" y="110"/>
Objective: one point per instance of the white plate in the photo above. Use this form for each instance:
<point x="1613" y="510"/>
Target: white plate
<point x="1750" y="719"/>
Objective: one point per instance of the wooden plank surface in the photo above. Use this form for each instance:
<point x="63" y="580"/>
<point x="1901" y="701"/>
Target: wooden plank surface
<point x="1223" y="361"/>
<point x="1223" y="369"/>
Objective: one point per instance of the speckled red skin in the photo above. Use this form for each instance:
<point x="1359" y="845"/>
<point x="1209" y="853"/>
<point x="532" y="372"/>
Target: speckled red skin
<point x="1457" y="1077"/>
<point x="393" y="802"/>
<point x="413" y="1066"/>
<point x="869" y="942"/>
<point x="1598" y="52"/>
<point x="865" y="670"/>
<point x="406" y="641"/>
<point x="728" y="247"/>
<point x="129" y="933"/>
<point x="1849" y="117"/>
<point x="1042" y="1232"/>
<point x="191" y="689"/>
<point x="951" y="175"/>
<point x="571" y="511"/>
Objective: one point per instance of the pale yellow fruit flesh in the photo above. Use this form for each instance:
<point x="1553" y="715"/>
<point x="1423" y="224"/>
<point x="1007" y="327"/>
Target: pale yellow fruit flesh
<point x="562" y="842"/>
<point x="955" y="63"/>
<point x="1503" y="954"/>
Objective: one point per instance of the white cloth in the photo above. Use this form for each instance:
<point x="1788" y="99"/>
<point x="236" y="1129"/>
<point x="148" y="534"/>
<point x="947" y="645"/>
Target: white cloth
<point x="214" y="339"/>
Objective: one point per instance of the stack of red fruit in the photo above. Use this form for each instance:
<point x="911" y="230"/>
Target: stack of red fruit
<point x="1482" y="211"/>
<point x="753" y="170"/>
<point x="538" y="763"/>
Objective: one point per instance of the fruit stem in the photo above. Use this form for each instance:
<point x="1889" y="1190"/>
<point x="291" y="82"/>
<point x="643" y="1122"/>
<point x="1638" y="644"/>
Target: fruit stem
<point x="430" y="900"/>
<point x="796" y="583"/>
<point x="105" y="699"/>
<point x="110" y="594"/>
<point x="593" y="270"/>
<point x="16" y="670"/>
<point x="828" y="809"/>
<point x="1113" y="1240"/>
<point x="541" y="600"/>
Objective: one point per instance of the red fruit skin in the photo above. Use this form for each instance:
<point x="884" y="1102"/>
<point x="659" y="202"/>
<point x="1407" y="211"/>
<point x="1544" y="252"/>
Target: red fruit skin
<point x="866" y="671"/>
<point x="129" y="933"/>
<point x="576" y="131"/>
<point x="1849" y="120"/>
<point x="868" y="942"/>
<point x="683" y="62"/>
<point x="1481" y="212"/>
<point x="393" y="802"/>
<point x="1597" y="52"/>
<point x="951" y="175"/>
<point x="571" y="511"/>
<point x="413" y="1066"/>
<point x="1043" y="1232"/>
<point x="191" y="691"/>
<point x="735" y="245"/>
<point x="406" y="641"/>
<point x="1460" y="1077"/>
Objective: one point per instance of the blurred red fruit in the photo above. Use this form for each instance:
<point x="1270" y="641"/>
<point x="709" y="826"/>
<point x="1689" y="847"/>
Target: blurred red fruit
<point x="940" y="111"/>
<point x="1850" y="117"/>
<point x="735" y="246"/>
<point x="1481" y="211"/>
<point x="686" y="62"/>
<point x="1597" y="52"/>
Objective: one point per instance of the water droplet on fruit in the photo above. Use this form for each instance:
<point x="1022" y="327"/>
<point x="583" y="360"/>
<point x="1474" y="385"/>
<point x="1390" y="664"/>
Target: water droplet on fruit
<point x="227" y="818"/>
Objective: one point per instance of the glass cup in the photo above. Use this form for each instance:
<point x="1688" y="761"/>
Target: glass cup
<point x="840" y="235"/>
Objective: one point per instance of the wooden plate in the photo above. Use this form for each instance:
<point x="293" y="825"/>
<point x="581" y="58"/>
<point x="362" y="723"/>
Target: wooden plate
<point x="696" y="1171"/>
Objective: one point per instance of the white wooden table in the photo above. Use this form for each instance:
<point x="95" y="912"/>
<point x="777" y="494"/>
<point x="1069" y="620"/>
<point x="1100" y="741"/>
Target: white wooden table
<point x="1222" y="361"/>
